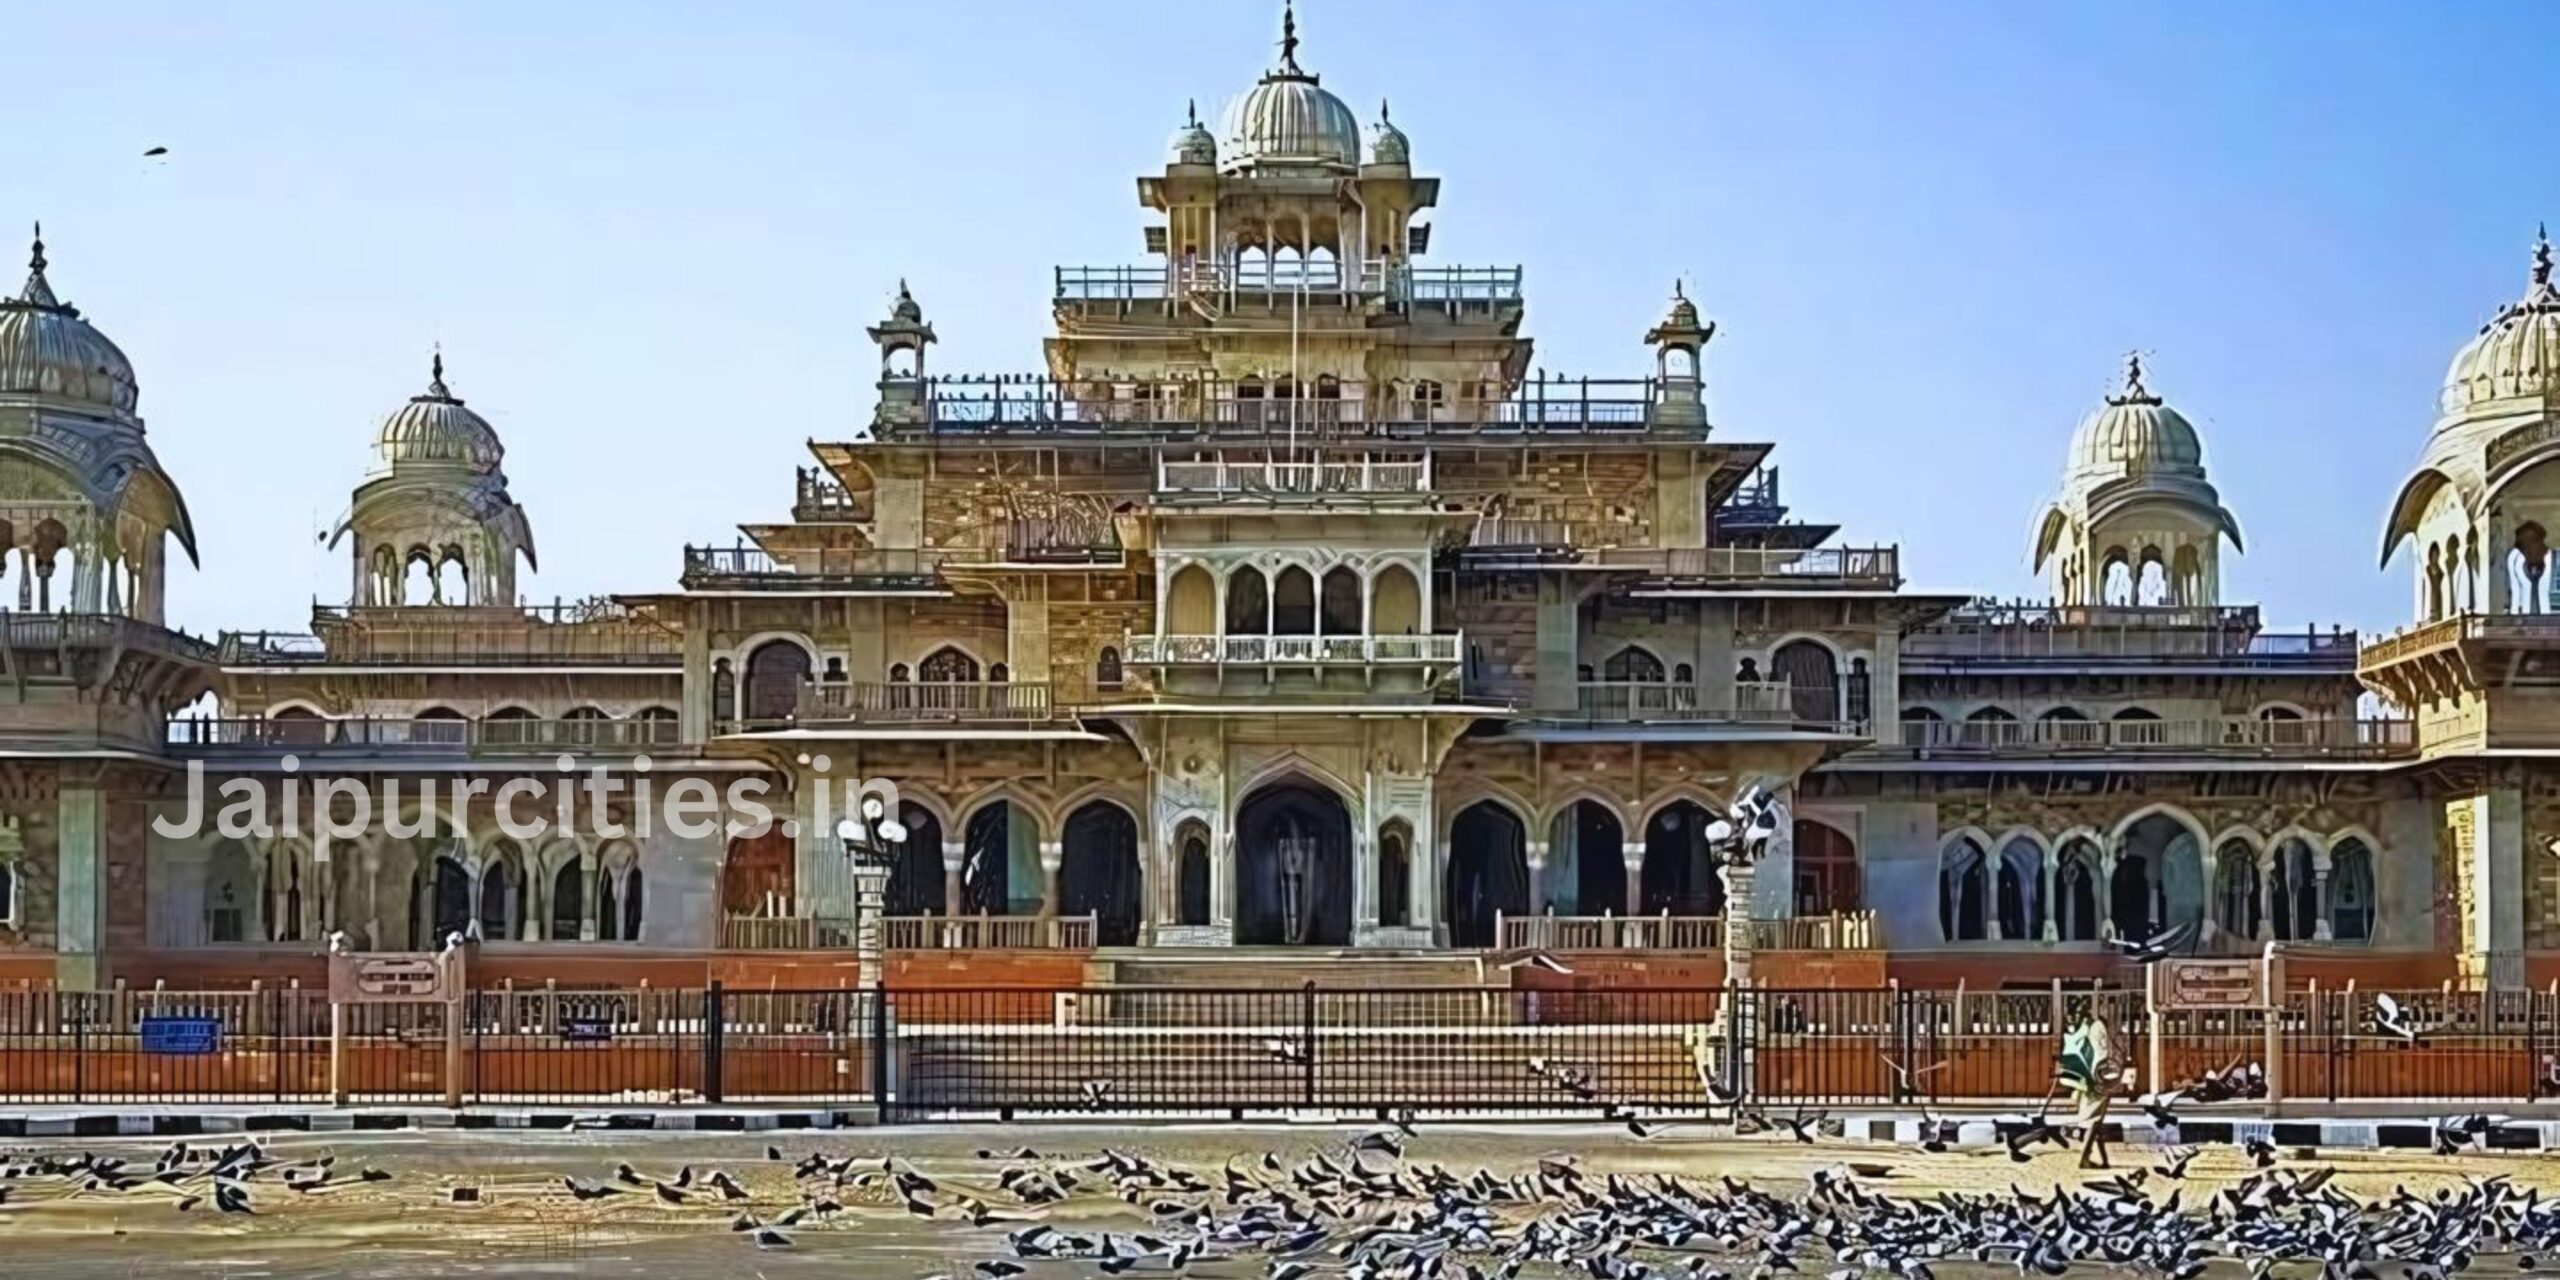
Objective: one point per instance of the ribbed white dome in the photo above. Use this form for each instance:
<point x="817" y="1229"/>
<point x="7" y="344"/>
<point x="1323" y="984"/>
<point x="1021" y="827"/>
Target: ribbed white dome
<point x="1192" y="143"/>
<point x="47" y="350"/>
<point x="2134" y="434"/>
<point x="1289" y="119"/>
<point x="437" y="427"/>
<point x="2517" y="355"/>
<point x="1387" y="143"/>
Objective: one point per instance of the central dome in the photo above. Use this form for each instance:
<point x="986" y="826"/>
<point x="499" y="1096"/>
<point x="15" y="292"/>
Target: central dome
<point x="436" y="427"/>
<point x="47" y="350"/>
<point x="1289" y="118"/>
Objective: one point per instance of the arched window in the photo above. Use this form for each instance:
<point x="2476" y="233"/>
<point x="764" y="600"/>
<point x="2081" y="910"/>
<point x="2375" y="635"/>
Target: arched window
<point x="1106" y="669"/>
<point x="1826" y="869"/>
<point x="1191" y="880"/>
<point x="284" y="895"/>
<point x="999" y="674"/>
<point x="947" y="665"/>
<point x="775" y="673"/>
<point x="2351" y="892"/>
<point x="1963" y="893"/>
<point x="1293" y="602"/>
<point x="1632" y="664"/>
<point x="568" y="917"/>
<point x="618" y="895"/>
<point x="9" y="894"/>
<point x="1248" y="602"/>
<point x="724" y="692"/>
<point x="1429" y="398"/>
<point x="1340" y="608"/>
<point x="501" y="896"/>
<point x="230" y="895"/>
<point x="1191" y="603"/>
<point x="1813" y="680"/>
<point x="2293" y="898"/>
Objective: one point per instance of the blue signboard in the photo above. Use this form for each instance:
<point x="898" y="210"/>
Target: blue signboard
<point x="586" y="1030"/>
<point x="181" y="1034"/>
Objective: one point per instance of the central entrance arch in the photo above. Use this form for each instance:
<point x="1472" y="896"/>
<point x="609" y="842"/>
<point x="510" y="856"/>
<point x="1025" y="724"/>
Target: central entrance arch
<point x="1293" y="868"/>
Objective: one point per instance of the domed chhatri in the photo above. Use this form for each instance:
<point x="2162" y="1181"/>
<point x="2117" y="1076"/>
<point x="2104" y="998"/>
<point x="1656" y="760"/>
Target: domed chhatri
<point x="1289" y="119"/>
<point x="2517" y="355"/>
<point x="47" y="351"/>
<point x="1387" y="143"/>
<point x="2134" y="434"/>
<point x="1193" y="144"/>
<point x="2137" y="522"/>
<point x="436" y="427"/>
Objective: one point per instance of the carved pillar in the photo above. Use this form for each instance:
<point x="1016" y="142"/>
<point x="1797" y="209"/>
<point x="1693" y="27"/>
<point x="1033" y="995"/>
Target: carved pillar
<point x="1537" y="857"/>
<point x="2320" y="931"/>
<point x="1052" y="856"/>
<point x="2046" y="906"/>
<point x="1632" y="853"/>
<point x="587" y="892"/>
<point x="955" y="853"/>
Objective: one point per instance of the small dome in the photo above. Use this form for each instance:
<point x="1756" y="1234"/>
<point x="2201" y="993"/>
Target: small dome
<point x="905" y="310"/>
<point x="2134" y="434"/>
<point x="47" y="350"/>
<point x="1387" y="143"/>
<point x="2516" y="355"/>
<point x="1289" y="118"/>
<point x="436" y="427"/>
<point x="1192" y="144"/>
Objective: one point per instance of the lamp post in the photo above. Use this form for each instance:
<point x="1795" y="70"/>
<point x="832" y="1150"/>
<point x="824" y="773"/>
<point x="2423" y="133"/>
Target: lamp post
<point x="870" y="840"/>
<point x="1736" y="842"/>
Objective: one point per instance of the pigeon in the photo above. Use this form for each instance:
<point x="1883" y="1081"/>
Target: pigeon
<point x="2390" y="1020"/>
<point x="768" y="1238"/>
<point x="597" y="1192"/>
<point x="155" y="153"/>
<point x="2159" y="946"/>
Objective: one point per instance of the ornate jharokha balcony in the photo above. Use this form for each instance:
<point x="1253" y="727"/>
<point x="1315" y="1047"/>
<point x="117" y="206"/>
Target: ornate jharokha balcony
<point x="926" y="703"/>
<point x="48" y="643"/>
<point x="496" y="736"/>
<point x="820" y="498"/>
<point x="1751" y="701"/>
<point x="1839" y="931"/>
<point x="2248" y="736"/>
<point x="753" y="569"/>
<point x="1346" y="651"/>
<point x="1035" y="405"/>
<point x="2222" y="636"/>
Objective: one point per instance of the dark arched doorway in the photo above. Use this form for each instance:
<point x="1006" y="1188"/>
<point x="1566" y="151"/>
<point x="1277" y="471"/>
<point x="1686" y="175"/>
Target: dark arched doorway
<point x="445" y="892"/>
<point x="915" y="875"/>
<point x="1293" y="868"/>
<point x="1098" y="872"/>
<point x="756" y="880"/>
<point x="986" y="862"/>
<point x="1826" y="869"/>
<point x="1813" y="679"/>
<point x="1599" y="860"/>
<point x="1191" y="879"/>
<point x="1679" y="868"/>
<point x="1488" y="873"/>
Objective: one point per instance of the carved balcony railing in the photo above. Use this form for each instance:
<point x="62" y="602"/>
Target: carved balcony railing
<point x="1638" y="701"/>
<point x="1277" y="281"/>
<point x="1838" y="931"/>
<point x="925" y="702"/>
<point x="494" y="736"/>
<point x="58" y="633"/>
<point x="1502" y="544"/>
<point x="584" y="633"/>
<point x="2217" y="635"/>
<point x="987" y="933"/>
<point x="1360" y="476"/>
<point x="748" y="932"/>
<point x="1361" y="650"/>
<point x="2226" y="735"/>
<point x="749" y="568"/>
<point x="1316" y="409"/>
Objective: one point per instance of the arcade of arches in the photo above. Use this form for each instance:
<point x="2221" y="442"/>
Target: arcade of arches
<point x="2155" y="876"/>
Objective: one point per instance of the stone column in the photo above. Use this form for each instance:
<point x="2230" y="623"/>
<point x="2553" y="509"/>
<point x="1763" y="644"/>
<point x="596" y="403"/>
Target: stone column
<point x="1364" y="881"/>
<point x="80" y="888"/>
<point x="1052" y="856"/>
<point x="870" y="887"/>
<point x="587" y="892"/>
<point x="1632" y="853"/>
<point x="955" y="854"/>
<point x="1537" y="858"/>
<point x="2320" y="930"/>
<point x="2049" y="925"/>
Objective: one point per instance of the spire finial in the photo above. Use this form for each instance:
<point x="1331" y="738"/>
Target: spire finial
<point x="1289" y="37"/>
<point x="39" y="291"/>
<point x="2541" y="255"/>
<point x="1191" y="112"/>
<point x="1679" y="288"/>
<point x="435" y="375"/>
<point x="1383" y="117"/>
<point x="2135" y="392"/>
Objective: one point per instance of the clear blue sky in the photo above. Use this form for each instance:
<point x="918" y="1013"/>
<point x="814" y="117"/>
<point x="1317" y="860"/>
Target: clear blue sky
<point x="649" y="235"/>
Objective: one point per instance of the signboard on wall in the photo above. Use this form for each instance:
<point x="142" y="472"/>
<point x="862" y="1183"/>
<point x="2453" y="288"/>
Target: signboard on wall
<point x="2211" y="984"/>
<point x="185" y="1036"/>
<point x="407" y="977"/>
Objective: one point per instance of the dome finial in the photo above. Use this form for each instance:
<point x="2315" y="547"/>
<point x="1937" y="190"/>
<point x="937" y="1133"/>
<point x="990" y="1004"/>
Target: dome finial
<point x="39" y="291"/>
<point x="1191" y="112"/>
<point x="2135" y="392"/>
<point x="436" y="390"/>
<point x="2541" y="256"/>
<point x="1289" y="38"/>
<point x="1383" y="117"/>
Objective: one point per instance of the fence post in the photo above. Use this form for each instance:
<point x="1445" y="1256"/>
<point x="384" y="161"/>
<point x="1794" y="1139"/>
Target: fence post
<point x="1307" y="1029"/>
<point x="1901" y="1037"/>
<point x="275" y="1038"/>
<point x="878" y="1032"/>
<point x="79" y="1046"/>
<point x="715" y="1014"/>
<point x="456" y="1011"/>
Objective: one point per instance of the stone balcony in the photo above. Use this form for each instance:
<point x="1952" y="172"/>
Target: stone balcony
<point x="2240" y="737"/>
<point x="438" y="738"/>
<point x="754" y="570"/>
<point x="928" y="702"/>
<point x="1293" y="651"/>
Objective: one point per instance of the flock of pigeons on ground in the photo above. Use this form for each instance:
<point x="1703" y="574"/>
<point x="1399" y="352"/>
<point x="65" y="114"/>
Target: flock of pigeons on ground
<point x="1365" y="1211"/>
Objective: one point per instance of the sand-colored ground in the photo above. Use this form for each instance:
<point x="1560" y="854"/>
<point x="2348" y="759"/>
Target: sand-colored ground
<point x="526" y="1223"/>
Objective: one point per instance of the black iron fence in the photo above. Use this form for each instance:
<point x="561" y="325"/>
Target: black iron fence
<point x="1188" y="1051"/>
